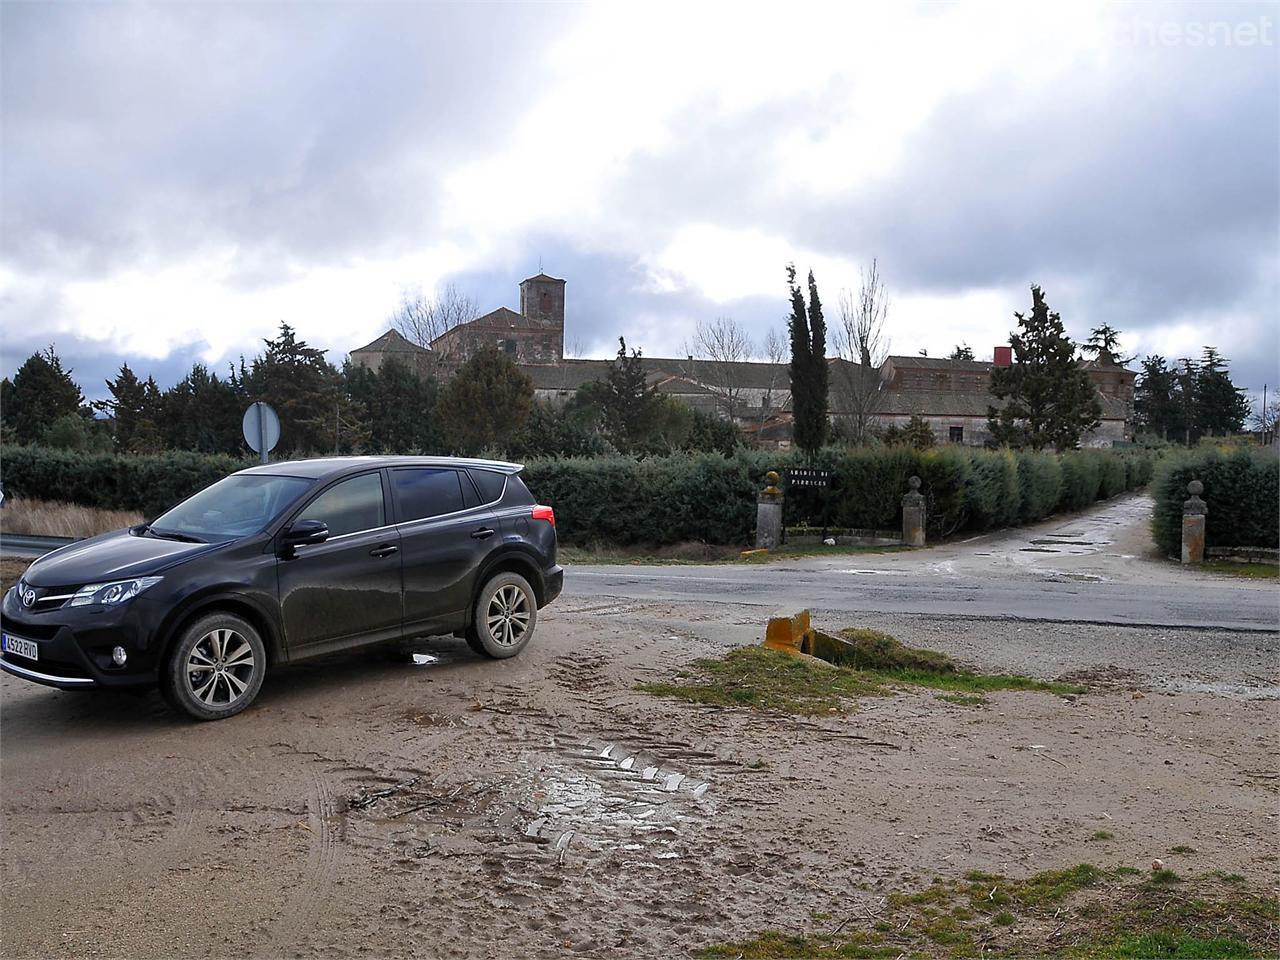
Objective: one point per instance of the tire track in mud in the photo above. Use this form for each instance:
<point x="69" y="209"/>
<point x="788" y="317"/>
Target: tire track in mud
<point x="301" y="912"/>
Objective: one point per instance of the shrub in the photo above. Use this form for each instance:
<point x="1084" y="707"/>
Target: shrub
<point x="1241" y="489"/>
<point x="149" y="483"/>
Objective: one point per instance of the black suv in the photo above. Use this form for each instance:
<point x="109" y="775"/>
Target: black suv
<point x="283" y="562"/>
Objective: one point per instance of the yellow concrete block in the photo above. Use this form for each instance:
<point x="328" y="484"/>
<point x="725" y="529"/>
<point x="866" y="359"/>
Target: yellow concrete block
<point x="789" y="631"/>
<point x="753" y="553"/>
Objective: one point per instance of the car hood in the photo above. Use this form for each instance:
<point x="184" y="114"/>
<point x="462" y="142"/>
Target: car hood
<point x="111" y="556"/>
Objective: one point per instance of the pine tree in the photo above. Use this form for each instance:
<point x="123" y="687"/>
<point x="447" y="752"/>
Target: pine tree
<point x="128" y="396"/>
<point x="1049" y="399"/>
<point x="1221" y="407"/>
<point x="1155" y="404"/>
<point x="40" y="393"/>
<point x="485" y="404"/>
<point x="1104" y="345"/>
<point x="961" y="351"/>
<point x="808" y="369"/>
<point x="400" y="406"/>
<point x="202" y="412"/>
<point x="628" y="402"/>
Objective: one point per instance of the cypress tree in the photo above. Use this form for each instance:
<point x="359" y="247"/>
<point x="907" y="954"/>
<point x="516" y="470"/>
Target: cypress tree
<point x="808" y="368"/>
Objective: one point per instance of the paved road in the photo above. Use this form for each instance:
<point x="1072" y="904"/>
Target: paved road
<point x="1092" y="568"/>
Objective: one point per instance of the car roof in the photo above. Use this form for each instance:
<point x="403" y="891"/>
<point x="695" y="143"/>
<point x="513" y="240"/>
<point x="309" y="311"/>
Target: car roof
<point x="324" y="467"/>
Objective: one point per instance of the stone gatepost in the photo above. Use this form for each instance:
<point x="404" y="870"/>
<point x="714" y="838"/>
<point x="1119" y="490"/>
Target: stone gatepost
<point x="1193" y="514"/>
<point x="913" y="515"/>
<point x="769" y="513"/>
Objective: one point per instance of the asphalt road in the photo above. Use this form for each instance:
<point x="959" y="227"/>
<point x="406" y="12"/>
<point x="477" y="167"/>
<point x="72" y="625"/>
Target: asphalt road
<point x="1098" y="567"/>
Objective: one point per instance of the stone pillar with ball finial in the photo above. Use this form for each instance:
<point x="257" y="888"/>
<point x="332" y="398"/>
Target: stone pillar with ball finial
<point x="769" y="513"/>
<point x="1193" y="514"/>
<point x="913" y="514"/>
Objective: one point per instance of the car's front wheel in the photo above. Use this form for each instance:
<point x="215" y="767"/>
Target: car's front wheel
<point x="215" y="668"/>
<point x="504" y="617"/>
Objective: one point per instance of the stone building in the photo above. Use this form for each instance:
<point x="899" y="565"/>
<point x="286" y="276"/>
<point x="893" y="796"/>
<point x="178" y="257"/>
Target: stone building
<point x="952" y="395"/>
<point x="393" y="344"/>
<point x="534" y="335"/>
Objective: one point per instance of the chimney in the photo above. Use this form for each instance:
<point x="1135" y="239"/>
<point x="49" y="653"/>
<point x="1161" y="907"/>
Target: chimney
<point x="1004" y="356"/>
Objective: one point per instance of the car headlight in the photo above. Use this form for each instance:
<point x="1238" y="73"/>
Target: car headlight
<point x="110" y="594"/>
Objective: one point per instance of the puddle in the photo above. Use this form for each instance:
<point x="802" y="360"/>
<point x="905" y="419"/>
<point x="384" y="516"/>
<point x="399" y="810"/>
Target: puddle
<point x="1037" y="550"/>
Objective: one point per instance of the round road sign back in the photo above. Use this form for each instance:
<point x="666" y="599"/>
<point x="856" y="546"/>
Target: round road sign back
<point x="261" y="428"/>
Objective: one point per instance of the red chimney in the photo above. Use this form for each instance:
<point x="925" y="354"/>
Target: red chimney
<point x="1004" y="356"/>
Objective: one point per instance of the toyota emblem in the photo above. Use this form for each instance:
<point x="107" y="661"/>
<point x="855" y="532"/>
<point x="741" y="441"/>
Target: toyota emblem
<point x="28" y="597"/>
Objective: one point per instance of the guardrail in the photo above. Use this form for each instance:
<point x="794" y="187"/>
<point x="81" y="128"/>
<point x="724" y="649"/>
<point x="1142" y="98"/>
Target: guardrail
<point x="21" y="545"/>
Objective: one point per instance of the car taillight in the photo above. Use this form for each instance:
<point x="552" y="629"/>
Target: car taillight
<point x="544" y="513"/>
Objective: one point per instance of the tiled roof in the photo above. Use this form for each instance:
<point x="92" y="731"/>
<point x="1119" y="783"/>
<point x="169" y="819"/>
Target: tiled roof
<point x="940" y="363"/>
<point x="391" y="342"/>
<point x="543" y="276"/>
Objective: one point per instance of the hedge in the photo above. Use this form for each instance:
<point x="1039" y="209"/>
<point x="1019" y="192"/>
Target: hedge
<point x="148" y="483"/>
<point x="1241" y="490"/>
<point x="661" y="500"/>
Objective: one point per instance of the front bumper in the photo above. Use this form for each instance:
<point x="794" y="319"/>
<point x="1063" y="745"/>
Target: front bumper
<point x="74" y="646"/>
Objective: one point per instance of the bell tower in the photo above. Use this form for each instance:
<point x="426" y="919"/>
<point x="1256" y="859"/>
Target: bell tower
<point x="542" y="305"/>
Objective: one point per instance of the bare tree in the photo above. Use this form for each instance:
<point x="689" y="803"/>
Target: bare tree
<point x="862" y="343"/>
<point x="775" y="399"/>
<point x="726" y="345"/>
<point x="422" y="319"/>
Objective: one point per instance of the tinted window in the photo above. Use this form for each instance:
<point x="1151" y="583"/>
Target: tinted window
<point x="517" y="492"/>
<point x="426" y="493"/>
<point x="349" y="506"/>
<point x="489" y="484"/>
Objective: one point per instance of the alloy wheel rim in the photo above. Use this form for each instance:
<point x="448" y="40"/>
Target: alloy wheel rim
<point x="508" y="615"/>
<point x="219" y="668"/>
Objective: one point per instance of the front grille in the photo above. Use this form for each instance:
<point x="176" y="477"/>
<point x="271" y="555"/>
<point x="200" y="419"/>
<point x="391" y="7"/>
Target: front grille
<point x="32" y="631"/>
<point x="47" y="598"/>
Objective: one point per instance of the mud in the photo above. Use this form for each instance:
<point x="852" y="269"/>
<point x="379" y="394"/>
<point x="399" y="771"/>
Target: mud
<point x="542" y="807"/>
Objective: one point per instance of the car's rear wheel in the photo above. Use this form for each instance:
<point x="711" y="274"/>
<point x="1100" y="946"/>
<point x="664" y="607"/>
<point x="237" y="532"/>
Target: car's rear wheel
<point x="505" y="615"/>
<point x="215" y="668"/>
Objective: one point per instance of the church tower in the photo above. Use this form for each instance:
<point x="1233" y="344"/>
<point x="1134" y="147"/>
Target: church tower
<point x="542" y="305"/>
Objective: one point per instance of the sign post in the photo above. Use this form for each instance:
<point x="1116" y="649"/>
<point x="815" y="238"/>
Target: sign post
<point x="261" y="429"/>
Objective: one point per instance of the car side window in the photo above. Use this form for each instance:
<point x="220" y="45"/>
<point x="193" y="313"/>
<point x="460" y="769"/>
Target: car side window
<point x="426" y="492"/>
<point x="350" y="506"/>
<point x="490" y="484"/>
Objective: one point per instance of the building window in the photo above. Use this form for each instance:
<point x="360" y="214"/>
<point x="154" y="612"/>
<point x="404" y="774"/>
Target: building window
<point x="957" y="434"/>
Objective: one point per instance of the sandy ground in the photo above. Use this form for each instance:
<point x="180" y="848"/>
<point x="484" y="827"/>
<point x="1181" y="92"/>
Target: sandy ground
<point x="540" y="806"/>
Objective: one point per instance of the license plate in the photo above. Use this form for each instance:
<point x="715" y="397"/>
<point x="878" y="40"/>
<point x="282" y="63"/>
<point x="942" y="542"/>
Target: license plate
<point x="23" y="648"/>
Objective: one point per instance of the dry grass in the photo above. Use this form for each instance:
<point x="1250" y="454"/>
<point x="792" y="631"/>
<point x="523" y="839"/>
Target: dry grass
<point x="49" y="518"/>
<point x="11" y="570"/>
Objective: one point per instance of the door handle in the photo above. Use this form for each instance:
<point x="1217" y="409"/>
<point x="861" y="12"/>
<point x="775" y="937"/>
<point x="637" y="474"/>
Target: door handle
<point x="385" y="550"/>
<point x="482" y="534"/>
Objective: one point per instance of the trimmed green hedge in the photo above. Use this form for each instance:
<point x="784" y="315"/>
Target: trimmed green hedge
<point x="711" y="498"/>
<point x="661" y="500"/>
<point x="148" y="483"/>
<point x="1241" y="489"/>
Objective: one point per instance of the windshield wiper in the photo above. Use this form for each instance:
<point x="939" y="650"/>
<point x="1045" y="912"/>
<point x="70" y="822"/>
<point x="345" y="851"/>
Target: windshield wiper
<point x="174" y="535"/>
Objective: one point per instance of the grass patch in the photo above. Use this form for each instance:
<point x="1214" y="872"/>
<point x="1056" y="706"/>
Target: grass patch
<point x="1250" y="571"/>
<point x="1182" y="848"/>
<point x="766" y="680"/>
<point x="964" y="699"/>
<point x="1103" y="835"/>
<point x="1075" y="913"/>
<point x="769" y="680"/>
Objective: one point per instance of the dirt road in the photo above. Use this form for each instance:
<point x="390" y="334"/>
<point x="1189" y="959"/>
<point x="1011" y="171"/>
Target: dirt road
<point x="541" y="806"/>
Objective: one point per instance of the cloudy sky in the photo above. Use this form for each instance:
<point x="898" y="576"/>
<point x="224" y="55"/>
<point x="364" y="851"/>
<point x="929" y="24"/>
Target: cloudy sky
<point x="180" y="178"/>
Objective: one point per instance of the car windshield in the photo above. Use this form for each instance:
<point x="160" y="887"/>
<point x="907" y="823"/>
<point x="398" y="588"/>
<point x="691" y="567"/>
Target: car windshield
<point x="236" y="506"/>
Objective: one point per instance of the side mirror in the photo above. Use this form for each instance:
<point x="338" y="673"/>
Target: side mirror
<point x="305" y="531"/>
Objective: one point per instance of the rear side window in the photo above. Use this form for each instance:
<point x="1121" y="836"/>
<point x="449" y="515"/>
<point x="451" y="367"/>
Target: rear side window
<point x="350" y="506"/>
<point x="517" y="492"/>
<point x="426" y="492"/>
<point x="489" y="484"/>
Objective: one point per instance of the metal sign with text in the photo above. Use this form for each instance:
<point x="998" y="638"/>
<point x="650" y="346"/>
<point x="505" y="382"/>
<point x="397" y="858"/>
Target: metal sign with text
<point x="809" y="477"/>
